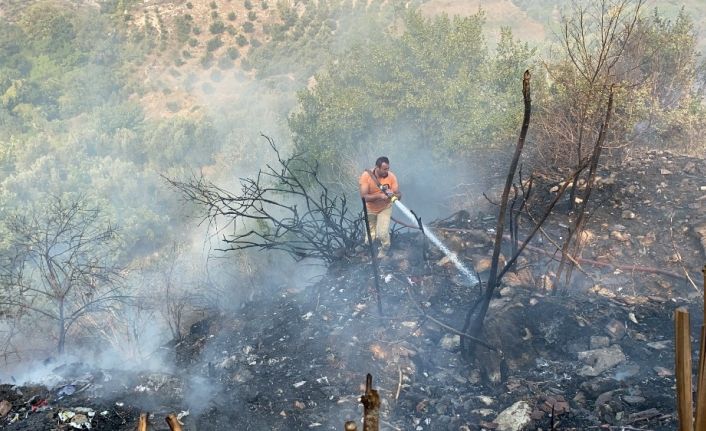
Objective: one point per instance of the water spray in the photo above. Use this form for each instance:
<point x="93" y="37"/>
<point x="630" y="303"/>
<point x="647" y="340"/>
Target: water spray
<point x="453" y="257"/>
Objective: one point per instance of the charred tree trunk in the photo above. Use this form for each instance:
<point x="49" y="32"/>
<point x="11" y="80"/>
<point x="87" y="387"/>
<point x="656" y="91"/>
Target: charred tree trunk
<point x="575" y="232"/>
<point x="373" y="258"/>
<point x="475" y="322"/>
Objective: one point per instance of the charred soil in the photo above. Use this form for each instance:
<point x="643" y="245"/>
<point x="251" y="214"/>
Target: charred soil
<point x="595" y="352"/>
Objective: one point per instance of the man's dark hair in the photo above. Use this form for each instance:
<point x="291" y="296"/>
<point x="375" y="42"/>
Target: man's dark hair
<point x="381" y="160"/>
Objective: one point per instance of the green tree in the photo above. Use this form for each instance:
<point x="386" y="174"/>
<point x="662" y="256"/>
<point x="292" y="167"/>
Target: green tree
<point x="435" y="87"/>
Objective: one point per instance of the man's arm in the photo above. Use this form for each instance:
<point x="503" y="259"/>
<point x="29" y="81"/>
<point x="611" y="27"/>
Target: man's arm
<point x="369" y="196"/>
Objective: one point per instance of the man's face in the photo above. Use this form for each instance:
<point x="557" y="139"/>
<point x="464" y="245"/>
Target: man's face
<point x="383" y="170"/>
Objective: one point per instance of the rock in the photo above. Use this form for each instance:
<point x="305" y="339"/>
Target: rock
<point x="628" y="215"/>
<point x="514" y="418"/>
<point x="701" y="232"/>
<point x="599" y="385"/>
<point x="556" y="405"/>
<point x="450" y="342"/>
<point x="607" y="407"/>
<point x="620" y="236"/>
<point x="660" y="345"/>
<point x="444" y="261"/>
<point x="616" y="330"/>
<point x="506" y="291"/>
<point x="665" y="171"/>
<point x="5" y="407"/>
<point x="486" y="400"/>
<point x="663" y="372"/>
<point x="598" y="341"/>
<point x="600" y="360"/>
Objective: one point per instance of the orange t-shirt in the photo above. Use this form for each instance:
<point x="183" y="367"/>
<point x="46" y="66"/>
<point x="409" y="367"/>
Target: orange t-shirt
<point x="390" y="180"/>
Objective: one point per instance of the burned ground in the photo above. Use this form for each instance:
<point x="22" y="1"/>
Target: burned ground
<point x="599" y="352"/>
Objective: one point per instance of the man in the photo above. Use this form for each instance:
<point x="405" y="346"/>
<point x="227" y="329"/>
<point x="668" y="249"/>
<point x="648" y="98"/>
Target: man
<point x="379" y="189"/>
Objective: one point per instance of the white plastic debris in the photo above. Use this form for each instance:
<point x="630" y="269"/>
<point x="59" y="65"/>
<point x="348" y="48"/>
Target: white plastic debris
<point x="85" y="410"/>
<point x="307" y="316"/>
<point x="388" y="278"/>
<point x="299" y="384"/>
<point x="182" y="414"/>
<point x="80" y="421"/>
<point x="632" y="317"/>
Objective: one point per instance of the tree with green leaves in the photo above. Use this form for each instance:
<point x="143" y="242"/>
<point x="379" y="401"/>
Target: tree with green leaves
<point x="436" y="86"/>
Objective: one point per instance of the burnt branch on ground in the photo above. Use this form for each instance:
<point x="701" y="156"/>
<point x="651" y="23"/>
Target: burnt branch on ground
<point x="284" y="207"/>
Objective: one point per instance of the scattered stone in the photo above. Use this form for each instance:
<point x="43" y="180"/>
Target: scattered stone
<point x="660" y="345"/>
<point x="486" y="400"/>
<point x="514" y="418"/>
<point x="665" y="171"/>
<point x="628" y="215"/>
<point x="701" y="232"/>
<point x="556" y="405"/>
<point x="620" y="236"/>
<point x="663" y="372"/>
<point x="506" y="291"/>
<point x="616" y="330"/>
<point x="600" y="360"/>
<point x="450" y="342"/>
